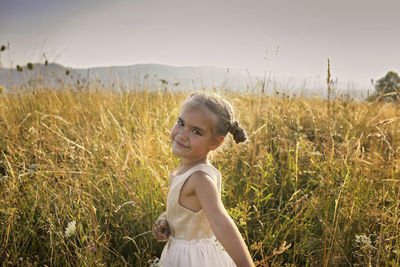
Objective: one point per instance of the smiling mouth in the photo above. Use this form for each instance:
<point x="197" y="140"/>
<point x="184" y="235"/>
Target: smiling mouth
<point x="182" y="145"/>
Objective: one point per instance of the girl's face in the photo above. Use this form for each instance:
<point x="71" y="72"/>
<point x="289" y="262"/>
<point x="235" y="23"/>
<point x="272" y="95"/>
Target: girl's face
<point x="192" y="135"/>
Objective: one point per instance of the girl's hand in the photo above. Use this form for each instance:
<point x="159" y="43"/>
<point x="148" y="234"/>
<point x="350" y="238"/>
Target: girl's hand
<point x="160" y="229"/>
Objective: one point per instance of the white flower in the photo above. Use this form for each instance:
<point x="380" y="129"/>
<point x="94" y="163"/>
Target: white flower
<point x="154" y="263"/>
<point x="70" y="230"/>
<point x="363" y="240"/>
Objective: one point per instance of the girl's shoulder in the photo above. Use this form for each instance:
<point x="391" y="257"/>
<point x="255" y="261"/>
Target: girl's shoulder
<point x="210" y="171"/>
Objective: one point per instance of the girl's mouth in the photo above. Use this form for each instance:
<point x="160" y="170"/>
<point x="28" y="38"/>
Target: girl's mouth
<point x="182" y="145"/>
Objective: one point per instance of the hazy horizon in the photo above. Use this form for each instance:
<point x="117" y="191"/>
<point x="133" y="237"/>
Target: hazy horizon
<point x="285" y="38"/>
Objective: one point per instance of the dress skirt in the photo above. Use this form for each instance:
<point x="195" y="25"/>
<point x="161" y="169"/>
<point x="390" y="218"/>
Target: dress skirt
<point x="207" y="252"/>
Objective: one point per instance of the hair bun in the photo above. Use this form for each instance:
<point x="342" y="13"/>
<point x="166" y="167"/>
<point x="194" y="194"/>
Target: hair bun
<point x="237" y="132"/>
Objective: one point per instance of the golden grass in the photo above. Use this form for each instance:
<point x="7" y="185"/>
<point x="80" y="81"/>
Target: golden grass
<point x="328" y="186"/>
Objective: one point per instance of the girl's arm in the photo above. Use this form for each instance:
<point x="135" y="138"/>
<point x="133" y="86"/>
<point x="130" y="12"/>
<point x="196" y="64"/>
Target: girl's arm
<point x="221" y="223"/>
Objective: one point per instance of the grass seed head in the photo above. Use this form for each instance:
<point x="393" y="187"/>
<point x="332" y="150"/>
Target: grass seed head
<point x="71" y="228"/>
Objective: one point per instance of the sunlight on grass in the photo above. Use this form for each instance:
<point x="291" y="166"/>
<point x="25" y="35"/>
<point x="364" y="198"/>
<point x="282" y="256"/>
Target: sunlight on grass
<point x="83" y="175"/>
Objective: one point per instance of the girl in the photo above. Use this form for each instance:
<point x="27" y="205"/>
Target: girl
<point x="196" y="218"/>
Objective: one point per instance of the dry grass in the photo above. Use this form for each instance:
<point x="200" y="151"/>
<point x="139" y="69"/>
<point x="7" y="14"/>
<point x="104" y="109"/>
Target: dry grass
<point x="328" y="186"/>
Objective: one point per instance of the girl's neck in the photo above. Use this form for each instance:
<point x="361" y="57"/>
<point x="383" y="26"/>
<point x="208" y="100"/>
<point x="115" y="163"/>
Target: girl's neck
<point x="189" y="164"/>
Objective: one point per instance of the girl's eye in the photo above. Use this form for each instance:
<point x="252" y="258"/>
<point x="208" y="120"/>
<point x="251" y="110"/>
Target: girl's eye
<point x="180" y="123"/>
<point x="197" y="132"/>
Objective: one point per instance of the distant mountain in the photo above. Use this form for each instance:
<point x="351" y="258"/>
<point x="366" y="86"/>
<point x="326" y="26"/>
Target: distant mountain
<point x="157" y="76"/>
<point x="134" y="76"/>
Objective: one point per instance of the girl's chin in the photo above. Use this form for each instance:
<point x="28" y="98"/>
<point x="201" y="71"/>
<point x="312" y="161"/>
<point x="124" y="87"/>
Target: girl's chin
<point x="178" y="151"/>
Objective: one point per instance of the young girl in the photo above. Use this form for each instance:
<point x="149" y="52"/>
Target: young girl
<point x="196" y="222"/>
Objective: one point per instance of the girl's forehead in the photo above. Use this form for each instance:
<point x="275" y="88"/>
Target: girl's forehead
<point x="199" y="112"/>
<point x="198" y="115"/>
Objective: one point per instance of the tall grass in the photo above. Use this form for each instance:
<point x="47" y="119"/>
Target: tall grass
<point x="307" y="189"/>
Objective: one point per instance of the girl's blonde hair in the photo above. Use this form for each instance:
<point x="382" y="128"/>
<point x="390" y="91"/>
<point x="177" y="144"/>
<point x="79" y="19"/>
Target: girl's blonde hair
<point x="223" y="111"/>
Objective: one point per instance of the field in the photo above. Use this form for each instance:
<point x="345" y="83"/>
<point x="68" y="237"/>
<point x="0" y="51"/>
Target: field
<point x="316" y="184"/>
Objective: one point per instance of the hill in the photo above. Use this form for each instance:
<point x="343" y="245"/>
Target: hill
<point x="133" y="76"/>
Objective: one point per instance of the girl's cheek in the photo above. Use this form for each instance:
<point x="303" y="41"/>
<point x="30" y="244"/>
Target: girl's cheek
<point x="174" y="131"/>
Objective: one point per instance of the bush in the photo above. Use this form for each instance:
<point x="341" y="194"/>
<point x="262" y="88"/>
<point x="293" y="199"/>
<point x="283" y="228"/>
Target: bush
<point x="388" y="86"/>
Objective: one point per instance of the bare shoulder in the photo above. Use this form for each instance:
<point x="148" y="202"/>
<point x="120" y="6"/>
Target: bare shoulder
<point x="198" y="183"/>
<point x="200" y="179"/>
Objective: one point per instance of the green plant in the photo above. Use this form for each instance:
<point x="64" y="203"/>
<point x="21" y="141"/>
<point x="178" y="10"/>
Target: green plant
<point x="389" y="86"/>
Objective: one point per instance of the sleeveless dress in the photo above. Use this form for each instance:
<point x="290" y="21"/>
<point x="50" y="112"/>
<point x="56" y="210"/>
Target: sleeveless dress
<point x="191" y="241"/>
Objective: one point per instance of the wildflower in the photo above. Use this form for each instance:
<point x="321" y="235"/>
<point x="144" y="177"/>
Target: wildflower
<point x="363" y="240"/>
<point x="71" y="228"/>
<point x="154" y="263"/>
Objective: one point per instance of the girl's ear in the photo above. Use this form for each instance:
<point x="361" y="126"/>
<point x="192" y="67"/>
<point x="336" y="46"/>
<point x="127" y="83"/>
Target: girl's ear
<point x="217" y="142"/>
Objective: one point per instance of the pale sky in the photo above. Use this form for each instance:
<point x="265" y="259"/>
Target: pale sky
<point x="286" y="38"/>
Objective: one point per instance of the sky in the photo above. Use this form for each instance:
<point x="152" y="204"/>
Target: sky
<point x="285" y="38"/>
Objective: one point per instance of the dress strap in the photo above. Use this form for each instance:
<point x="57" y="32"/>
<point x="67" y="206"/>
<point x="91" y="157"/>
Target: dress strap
<point x="210" y="170"/>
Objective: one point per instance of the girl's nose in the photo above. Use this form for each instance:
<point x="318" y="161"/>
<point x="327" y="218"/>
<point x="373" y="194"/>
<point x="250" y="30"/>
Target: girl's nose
<point x="182" y="135"/>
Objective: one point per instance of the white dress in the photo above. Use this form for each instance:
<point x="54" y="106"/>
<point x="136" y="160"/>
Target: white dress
<point x="191" y="241"/>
